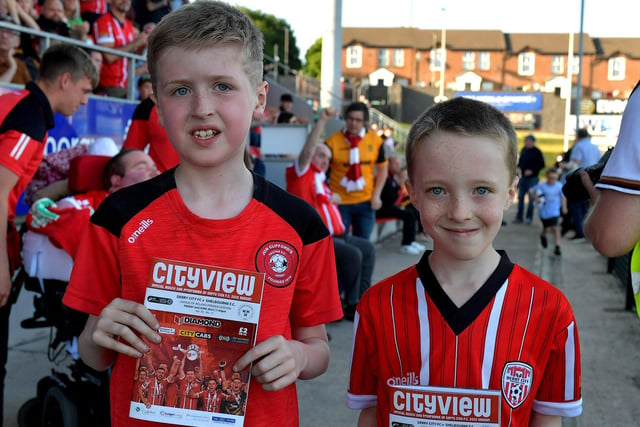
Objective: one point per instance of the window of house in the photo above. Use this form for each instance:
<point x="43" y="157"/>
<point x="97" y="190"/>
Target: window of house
<point x="575" y="65"/>
<point x="484" y="61"/>
<point x="398" y="57"/>
<point x="557" y="64"/>
<point x="436" y="57"/>
<point x="354" y="57"/>
<point x="526" y="64"/>
<point x="468" y="60"/>
<point x="383" y="57"/>
<point x="617" y="68"/>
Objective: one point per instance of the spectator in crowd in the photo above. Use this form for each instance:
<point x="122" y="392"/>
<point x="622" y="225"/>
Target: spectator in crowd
<point x="583" y="154"/>
<point x="156" y="9"/>
<point x="146" y="133"/>
<point x="52" y="18"/>
<point x="91" y="10"/>
<point x="66" y="77"/>
<point x="145" y="89"/>
<point x="63" y="216"/>
<point x="613" y="225"/>
<point x="114" y="30"/>
<point x="396" y="204"/>
<point x="26" y="51"/>
<point x="306" y="178"/>
<point x="530" y="163"/>
<point x="78" y="28"/>
<point x="358" y="171"/>
<point x="285" y="115"/>
<point x="12" y="69"/>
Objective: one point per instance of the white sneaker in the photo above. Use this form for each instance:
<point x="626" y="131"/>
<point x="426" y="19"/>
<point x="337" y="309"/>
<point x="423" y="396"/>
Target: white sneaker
<point x="419" y="246"/>
<point x="410" y="250"/>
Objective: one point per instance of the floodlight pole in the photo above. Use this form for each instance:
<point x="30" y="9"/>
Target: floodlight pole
<point x="580" y="54"/>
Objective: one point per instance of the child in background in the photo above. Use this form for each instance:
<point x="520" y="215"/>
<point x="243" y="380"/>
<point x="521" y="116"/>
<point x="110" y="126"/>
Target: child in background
<point x="551" y="203"/>
<point x="465" y="327"/>
<point x="206" y="62"/>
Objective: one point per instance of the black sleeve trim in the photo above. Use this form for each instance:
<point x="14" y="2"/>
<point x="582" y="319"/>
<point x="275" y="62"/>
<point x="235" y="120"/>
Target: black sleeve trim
<point x="295" y="211"/>
<point x="118" y="209"/>
<point x="143" y="110"/>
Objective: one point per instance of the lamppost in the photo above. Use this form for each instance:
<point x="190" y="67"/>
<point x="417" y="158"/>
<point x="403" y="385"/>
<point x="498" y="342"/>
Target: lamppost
<point x="443" y="59"/>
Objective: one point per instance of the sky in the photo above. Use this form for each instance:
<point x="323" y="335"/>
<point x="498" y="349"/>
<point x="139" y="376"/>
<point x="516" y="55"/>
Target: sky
<point x="310" y="19"/>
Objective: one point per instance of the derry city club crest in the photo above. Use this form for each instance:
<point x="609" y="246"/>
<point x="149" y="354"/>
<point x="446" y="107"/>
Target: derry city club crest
<point x="517" y="379"/>
<point x="278" y="261"/>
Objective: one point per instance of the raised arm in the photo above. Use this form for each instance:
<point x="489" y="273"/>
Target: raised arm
<point x="314" y="137"/>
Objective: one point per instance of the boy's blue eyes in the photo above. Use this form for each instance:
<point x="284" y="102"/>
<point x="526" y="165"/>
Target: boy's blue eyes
<point x="219" y="87"/>
<point x="181" y="91"/>
<point x="438" y="191"/>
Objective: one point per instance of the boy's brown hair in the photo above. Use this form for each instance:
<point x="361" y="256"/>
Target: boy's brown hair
<point x="63" y="58"/>
<point x="466" y="117"/>
<point x="204" y="24"/>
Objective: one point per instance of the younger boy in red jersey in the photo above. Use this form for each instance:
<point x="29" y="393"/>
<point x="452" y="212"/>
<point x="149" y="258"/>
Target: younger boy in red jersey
<point x="465" y="334"/>
<point x="205" y="59"/>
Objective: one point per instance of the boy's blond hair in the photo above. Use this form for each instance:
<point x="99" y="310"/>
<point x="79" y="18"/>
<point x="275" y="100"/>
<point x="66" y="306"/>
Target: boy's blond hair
<point x="205" y="24"/>
<point x="466" y="117"/>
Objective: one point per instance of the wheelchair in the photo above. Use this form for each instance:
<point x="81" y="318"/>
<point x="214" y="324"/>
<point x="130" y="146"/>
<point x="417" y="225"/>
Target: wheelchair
<point x="73" y="394"/>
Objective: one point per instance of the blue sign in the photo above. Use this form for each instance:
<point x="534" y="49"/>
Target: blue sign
<point x="507" y="101"/>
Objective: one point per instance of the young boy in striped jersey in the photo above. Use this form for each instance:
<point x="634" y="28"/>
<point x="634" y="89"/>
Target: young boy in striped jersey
<point x="465" y="335"/>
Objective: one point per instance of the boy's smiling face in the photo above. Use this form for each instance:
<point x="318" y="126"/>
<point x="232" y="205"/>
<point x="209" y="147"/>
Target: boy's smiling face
<point x="461" y="187"/>
<point x="205" y="102"/>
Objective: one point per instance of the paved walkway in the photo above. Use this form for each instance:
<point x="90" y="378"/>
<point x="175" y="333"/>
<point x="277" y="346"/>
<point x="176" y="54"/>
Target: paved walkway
<point x="610" y="337"/>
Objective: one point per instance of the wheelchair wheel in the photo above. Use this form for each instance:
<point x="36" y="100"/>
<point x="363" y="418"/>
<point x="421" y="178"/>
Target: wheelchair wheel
<point x="58" y="410"/>
<point x="30" y="413"/>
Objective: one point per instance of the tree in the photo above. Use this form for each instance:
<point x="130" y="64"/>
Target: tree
<point x="274" y="30"/>
<point x="313" y="60"/>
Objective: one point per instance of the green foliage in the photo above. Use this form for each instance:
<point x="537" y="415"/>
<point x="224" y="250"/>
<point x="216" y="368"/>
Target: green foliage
<point x="313" y="60"/>
<point x="273" y="30"/>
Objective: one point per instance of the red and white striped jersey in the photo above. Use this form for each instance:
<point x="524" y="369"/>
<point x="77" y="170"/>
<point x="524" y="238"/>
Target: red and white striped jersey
<point x="517" y="336"/>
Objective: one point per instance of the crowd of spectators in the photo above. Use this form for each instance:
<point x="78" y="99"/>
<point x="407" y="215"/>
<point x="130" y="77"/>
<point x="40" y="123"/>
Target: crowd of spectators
<point x="118" y="24"/>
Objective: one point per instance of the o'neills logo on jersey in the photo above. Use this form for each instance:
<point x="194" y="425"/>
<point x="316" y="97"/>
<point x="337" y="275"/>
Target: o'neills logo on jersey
<point x="278" y="261"/>
<point x="410" y="379"/>
<point x="517" y="378"/>
<point x="144" y="224"/>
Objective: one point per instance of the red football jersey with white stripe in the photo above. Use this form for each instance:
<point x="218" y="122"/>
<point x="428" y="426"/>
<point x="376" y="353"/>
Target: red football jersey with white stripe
<point x="108" y="30"/>
<point x="25" y="118"/>
<point x="517" y="336"/>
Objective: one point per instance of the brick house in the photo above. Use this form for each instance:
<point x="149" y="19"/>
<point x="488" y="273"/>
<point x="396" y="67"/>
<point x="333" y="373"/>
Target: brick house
<point x="490" y="60"/>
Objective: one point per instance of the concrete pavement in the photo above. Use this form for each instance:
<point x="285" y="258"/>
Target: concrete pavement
<point x="610" y="337"/>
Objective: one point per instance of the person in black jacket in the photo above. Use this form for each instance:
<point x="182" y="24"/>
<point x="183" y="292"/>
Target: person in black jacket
<point x="530" y="163"/>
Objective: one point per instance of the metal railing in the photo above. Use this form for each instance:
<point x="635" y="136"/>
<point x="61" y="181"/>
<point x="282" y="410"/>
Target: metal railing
<point x="46" y="39"/>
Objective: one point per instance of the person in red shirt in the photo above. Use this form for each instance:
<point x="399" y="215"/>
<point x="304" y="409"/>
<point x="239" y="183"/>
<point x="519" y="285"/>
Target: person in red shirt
<point x="66" y="77"/>
<point x="306" y="178"/>
<point x="205" y="60"/>
<point x="465" y="334"/>
<point x="145" y="131"/>
<point x="114" y="30"/>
